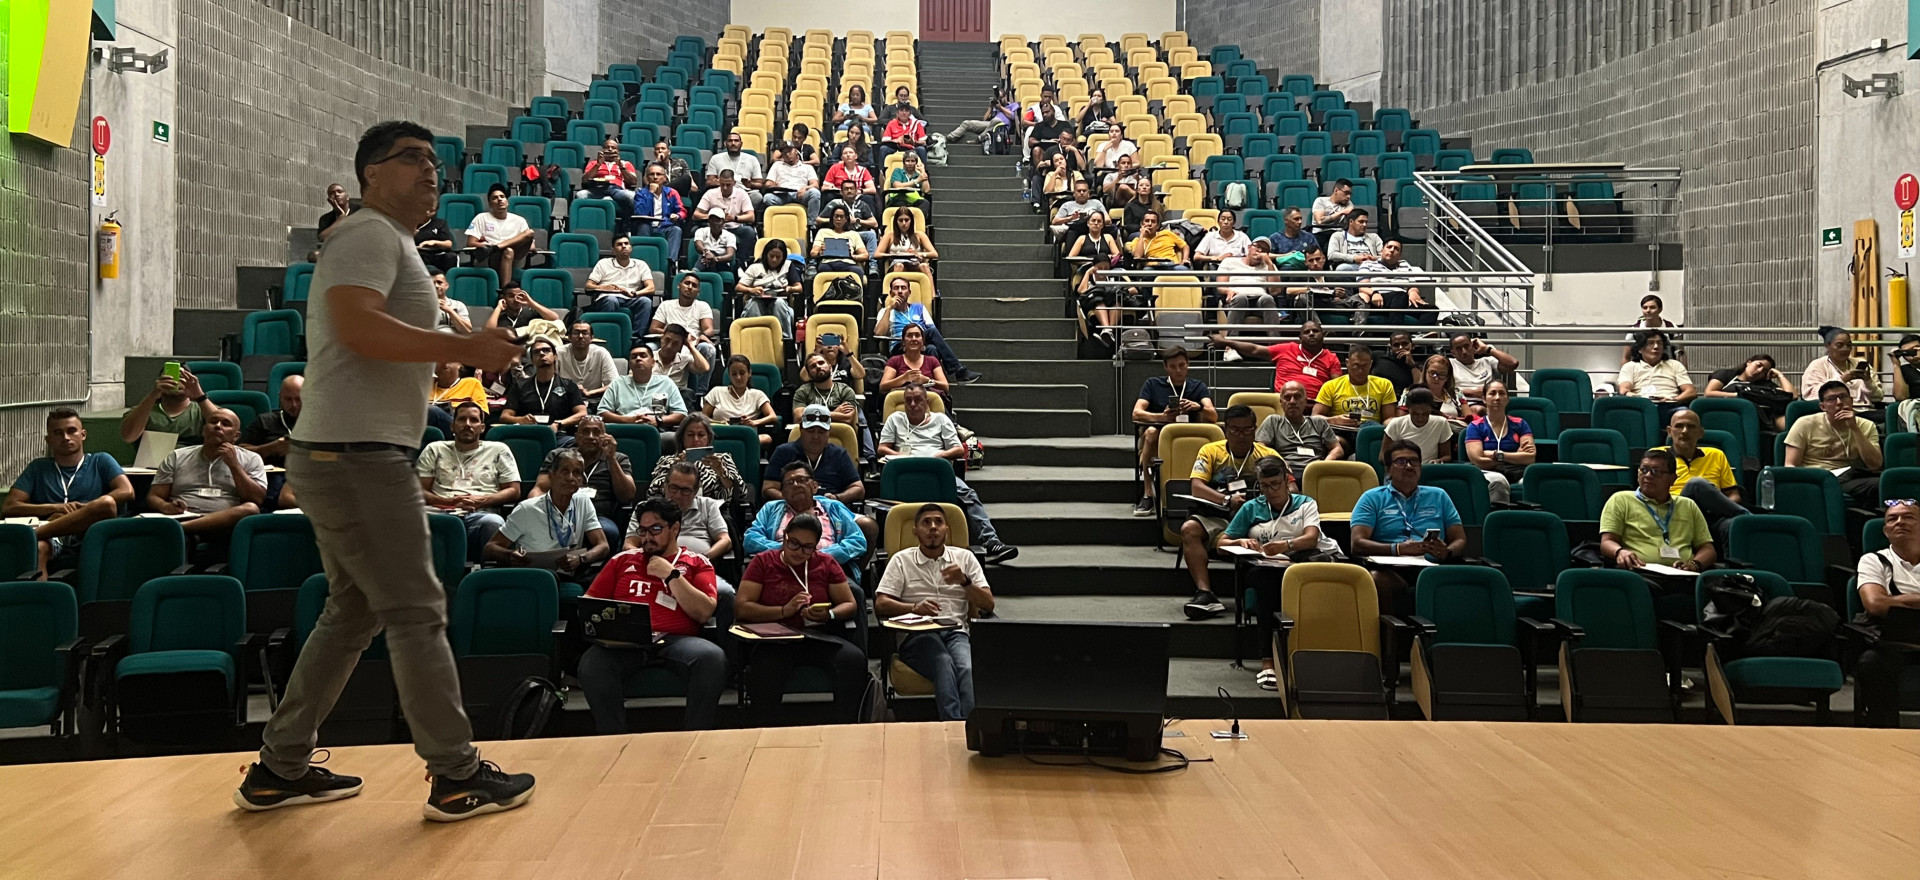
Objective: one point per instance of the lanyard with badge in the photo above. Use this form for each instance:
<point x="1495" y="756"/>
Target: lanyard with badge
<point x="66" y="480"/>
<point x="1235" y="473"/>
<point x="544" y="415"/>
<point x="560" y="525"/>
<point x="801" y="577"/>
<point x="664" y="598"/>
<point x="1667" y="550"/>
<point x="1406" y="515"/>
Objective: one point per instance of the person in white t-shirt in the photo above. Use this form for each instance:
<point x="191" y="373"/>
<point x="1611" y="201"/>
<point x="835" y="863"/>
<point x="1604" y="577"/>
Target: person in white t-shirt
<point x="588" y="365"/>
<point x="690" y="311"/>
<point x="1475" y="363"/>
<point x="1656" y="374"/>
<point x="1221" y="242"/>
<point x="789" y="173"/>
<point x="918" y="431"/>
<point x="624" y="284"/>
<point x="1420" y="426"/>
<point x="743" y="166"/>
<point x="1107" y="153"/>
<point x="500" y="236"/>
<point x="946" y="584"/>
<point x="718" y="248"/>
<point x="1888" y="580"/>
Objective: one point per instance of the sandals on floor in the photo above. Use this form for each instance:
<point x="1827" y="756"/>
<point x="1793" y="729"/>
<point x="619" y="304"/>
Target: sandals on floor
<point x="1268" y="680"/>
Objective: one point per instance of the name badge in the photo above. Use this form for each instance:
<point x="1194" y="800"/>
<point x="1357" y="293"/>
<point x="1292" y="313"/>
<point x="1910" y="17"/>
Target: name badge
<point x="665" y="599"/>
<point x="1304" y="450"/>
<point x="208" y="492"/>
<point x="1311" y="371"/>
<point x="1237" y="486"/>
<point x="1182" y="419"/>
<point x="541" y="420"/>
<point x="585" y="492"/>
<point x="1668" y="551"/>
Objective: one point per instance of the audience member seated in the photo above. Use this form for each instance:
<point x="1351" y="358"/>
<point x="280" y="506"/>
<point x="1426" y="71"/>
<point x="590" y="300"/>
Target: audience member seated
<point x="607" y="176"/>
<point x="860" y="213"/>
<point x="766" y="284"/>
<point x="469" y="477"/>
<point x="1158" y="245"/>
<point x="904" y="248"/>
<point x="794" y="182"/>
<point x="267" y="438"/>
<point x="863" y="153"/>
<point x="1356" y="397"/>
<point x="1403" y="305"/>
<point x="607" y="474"/>
<point x="1399" y="367"/>
<point x="740" y="166"/>
<point x="1175" y="398"/>
<point x="1099" y="297"/>
<point x="546" y="397"/>
<point x="838" y="478"/>
<point x="904" y="134"/>
<point x="450" y="388"/>
<point x="739" y="403"/>
<point x="623" y="284"/>
<point x="1318" y="292"/>
<point x="1500" y="444"/>
<point x="854" y="112"/>
<point x="1650" y="319"/>
<point x="1906" y="368"/>
<point x="1436" y="375"/>
<point x="680" y="589"/>
<point x="1002" y="110"/>
<point x="1702" y="473"/>
<point x="800" y="582"/>
<point x="1840" y="365"/>
<point x="846" y="368"/>
<point x="1278" y="522"/>
<point x="643" y="396"/>
<point x="1760" y="382"/>
<point x="1333" y="211"/>
<point x="1353" y="245"/>
<point x="1123" y="185"/>
<point x="1838" y="439"/>
<point x="174" y="406"/>
<point x="1656" y="374"/>
<point x="1887" y="581"/>
<point x="1059" y="180"/>
<point x="1247" y="304"/>
<point x="1652" y="525"/>
<point x="496" y="385"/>
<point x="659" y="209"/>
<point x="453" y="315"/>
<point x="1293" y="236"/>
<point x="837" y="397"/>
<point x="1306" y="360"/>
<point x="1300" y="437"/>
<point x="1404" y="518"/>
<point x="679" y="175"/>
<point x="1420" y="426"/>
<point x="703" y="524"/>
<point x="1045" y="122"/>
<point x="839" y="227"/>
<point x="217" y="481"/>
<point x="719" y="249"/>
<point x="732" y="203"/>
<point x="838" y="536"/>
<point x="1475" y="363"/>
<point x="585" y="364"/>
<point x="908" y="185"/>
<point x="912" y="366"/>
<point x="69" y="488"/>
<point x="686" y="365"/>
<point x="499" y="238"/>
<point x="1097" y="115"/>
<point x="1108" y="152"/>
<point x="434" y="240"/>
<point x="516" y="309"/>
<point x="917" y="431"/>
<point x="1223" y="476"/>
<point x="1133" y="214"/>
<point x="559" y="521"/>
<point x="694" y="315"/>
<point x="946" y="584"/>
<point x="1221" y="242"/>
<point x="693" y="443"/>
<point x="898" y="312"/>
<point x="338" y="207"/>
<point x="847" y="171"/>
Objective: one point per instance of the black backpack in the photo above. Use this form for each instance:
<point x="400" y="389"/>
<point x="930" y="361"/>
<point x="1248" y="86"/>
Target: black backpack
<point x="1790" y="626"/>
<point x="522" y="711"/>
<point x="1734" y="603"/>
<point x="845" y="289"/>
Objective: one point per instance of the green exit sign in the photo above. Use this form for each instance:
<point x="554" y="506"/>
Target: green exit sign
<point x="1830" y="237"/>
<point x="162" y="132"/>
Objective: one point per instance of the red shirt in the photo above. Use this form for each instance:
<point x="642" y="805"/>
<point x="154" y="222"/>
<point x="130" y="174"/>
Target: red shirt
<point x="614" y="172"/>
<point x="625" y="579"/>
<point x="1290" y="364"/>
<point x="779" y="582"/>
<point x="911" y="133"/>
<point x="839" y="173"/>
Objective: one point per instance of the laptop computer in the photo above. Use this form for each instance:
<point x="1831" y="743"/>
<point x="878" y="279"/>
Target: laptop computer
<point x="1068" y="688"/>
<point x="838" y="248"/>
<point x="611" y="623"/>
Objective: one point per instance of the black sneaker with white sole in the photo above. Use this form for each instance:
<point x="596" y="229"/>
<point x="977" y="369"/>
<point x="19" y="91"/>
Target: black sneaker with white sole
<point x="1204" y="605"/>
<point x="1146" y="507"/>
<point x="998" y="552"/>
<point x="264" y="790"/>
<point x="488" y="790"/>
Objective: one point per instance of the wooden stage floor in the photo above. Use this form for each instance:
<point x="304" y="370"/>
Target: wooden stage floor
<point x="1299" y="799"/>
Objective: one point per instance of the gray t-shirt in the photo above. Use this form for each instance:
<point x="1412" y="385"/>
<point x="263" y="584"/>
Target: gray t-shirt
<point x="349" y="397"/>
<point x="206" y="486"/>
<point x="484" y="471"/>
<point x="596" y="371"/>
<point x="1300" y="445"/>
<point x="931" y="437"/>
<point x="700" y="525"/>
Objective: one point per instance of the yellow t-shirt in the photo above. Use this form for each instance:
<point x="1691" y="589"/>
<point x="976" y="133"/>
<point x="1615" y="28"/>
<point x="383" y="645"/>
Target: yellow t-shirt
<point x="1710" y="465"/>
<point x="1164" y="245"/>
<point x="1366" y="405"/>
<point x="1214" y="463"/>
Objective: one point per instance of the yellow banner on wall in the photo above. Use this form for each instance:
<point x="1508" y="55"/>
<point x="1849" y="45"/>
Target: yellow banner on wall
<point x="46" y="66"/>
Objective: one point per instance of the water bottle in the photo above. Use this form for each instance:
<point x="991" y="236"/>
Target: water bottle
<point x="1766" y="488"/>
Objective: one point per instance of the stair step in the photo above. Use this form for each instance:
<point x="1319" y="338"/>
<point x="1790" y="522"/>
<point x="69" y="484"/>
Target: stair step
<point x="984" y="308"/>
<point x="1212" y="638"/>
<point x="1008" y="328"/>
<point x="1017" y="483"/>
<point x="969" y="270"/>
<point x="1053" y="523"/>
<point x="1050" y="289"/>
<point x="991" y="348"/>
<point x="961" y="251"/>
<point x="1105" y="450"/>
<point x="997" y="232"/>
<point x="987" y="395"/>
<point x="998" y="207"/>
<point x="1031" y="422"/>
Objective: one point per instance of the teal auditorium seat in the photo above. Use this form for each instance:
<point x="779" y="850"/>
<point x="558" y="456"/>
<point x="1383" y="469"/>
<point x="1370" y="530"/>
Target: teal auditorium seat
<point x="1470" y="659"/>
<point x="176" y="678"/>
<point x="277" y="375"/>
<point x="216" y="375"/>
<point x="530" y="445"/>
<point x="275" y="332"/>
<point x="1765" y="680"/>
<point x="1532" y="549"/>
<point x="39" y="667"/>
<point x="1570" y="390"/>
<point x="1611" y="665"/>
<point x="293" y="287"/>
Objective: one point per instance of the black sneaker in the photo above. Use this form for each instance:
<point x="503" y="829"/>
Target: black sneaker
<point x="998" y="552"/>
<point x="1204" y="605"/>
<point x="488" y="790"/>
<point x="968" y="377"/>
<point x="1146" y="507"/>
<point x="264" y="790"/>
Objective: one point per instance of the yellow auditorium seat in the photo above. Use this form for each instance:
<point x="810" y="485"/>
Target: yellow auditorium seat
<point x="1179" y="446"/>
<point x="1335" y="609"/>
<point x="1337" y="485"/>
<point x="1133" y="41"/>
<point x="759" y="339"/>
<point x="1174" y="40"/>
<point x="841" y="434"/>
<point x="1264" y="403"/>
<point x="1181" y="194"/>
<point x="897" y="401"/>
<point x="923" y="292"/>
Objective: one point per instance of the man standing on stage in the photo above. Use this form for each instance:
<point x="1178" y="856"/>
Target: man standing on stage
<point x="370" y="334"/>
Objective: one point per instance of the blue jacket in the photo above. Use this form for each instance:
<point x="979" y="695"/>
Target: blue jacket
<point x="849" y="541"/>
<point x="673" y="210"/>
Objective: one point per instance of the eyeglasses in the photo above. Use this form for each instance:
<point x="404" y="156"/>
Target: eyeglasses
<point x="650" y="530"/>
<point x="1837" y="398"/>
<point x="413" y="157"/>
<point x="1405" y="463"/>
<point x="1653" y="471"/>
<point x="804" y="548"/>
<point x="1892" y="503"/>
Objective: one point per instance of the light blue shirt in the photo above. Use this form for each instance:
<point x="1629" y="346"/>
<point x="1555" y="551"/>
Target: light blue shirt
<point x="1395" y="517"/>
<point x="627" y="397"/>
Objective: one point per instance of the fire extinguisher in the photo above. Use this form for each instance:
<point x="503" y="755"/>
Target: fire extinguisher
<point x="1897" y="306"/>
<point x="108" y="239"/>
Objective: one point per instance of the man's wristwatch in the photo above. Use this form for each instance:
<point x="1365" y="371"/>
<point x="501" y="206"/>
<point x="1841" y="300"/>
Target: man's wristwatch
<point x="199" y="399"/>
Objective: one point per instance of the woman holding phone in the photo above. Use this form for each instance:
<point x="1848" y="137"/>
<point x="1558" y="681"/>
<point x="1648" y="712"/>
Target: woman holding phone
<point x="719" y="478"/>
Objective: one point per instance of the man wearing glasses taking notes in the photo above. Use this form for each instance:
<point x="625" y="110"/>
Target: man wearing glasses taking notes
<point x="1654" y="526"/>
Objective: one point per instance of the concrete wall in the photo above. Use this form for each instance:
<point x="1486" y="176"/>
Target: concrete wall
<point x="1075" y="17"/>
<point x="631" y="30"/>
<point x="837" y="17"/>
<point x="1865" y="144"/>
<point x="133" y="314"/>
<point x="572" y="43"/>
<point x="1350" y="48"/>
<point x="1278" y="34"/>
<point x="45" y="252"/>
<point x="1726" y="95"/>
<point x="270" y="109"/>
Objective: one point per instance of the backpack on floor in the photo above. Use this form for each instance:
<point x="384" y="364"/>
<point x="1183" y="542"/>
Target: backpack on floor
<point x="521" y="712"/>
<point x="937" y="149"/>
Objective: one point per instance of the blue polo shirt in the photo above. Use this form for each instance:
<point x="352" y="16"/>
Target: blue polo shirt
<point x="47" y="483"/>
<point x="1395" y="517"/>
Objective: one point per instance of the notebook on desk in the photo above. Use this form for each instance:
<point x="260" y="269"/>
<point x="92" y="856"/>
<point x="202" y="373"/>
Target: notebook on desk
<point x="837" y="248"/>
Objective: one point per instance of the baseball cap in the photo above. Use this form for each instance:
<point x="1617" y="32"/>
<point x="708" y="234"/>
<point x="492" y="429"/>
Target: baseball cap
<point x="816" y="416"/>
